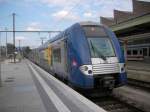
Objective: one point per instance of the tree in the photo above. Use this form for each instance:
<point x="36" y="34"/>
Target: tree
<point x="26" y="51"/>
<point x="10" y="48"/>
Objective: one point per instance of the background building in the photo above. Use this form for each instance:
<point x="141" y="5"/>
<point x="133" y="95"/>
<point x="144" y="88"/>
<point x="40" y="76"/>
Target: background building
<point x="133" y="30"/>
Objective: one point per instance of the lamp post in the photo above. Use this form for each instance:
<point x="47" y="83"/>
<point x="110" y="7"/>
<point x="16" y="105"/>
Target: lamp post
<point x="14" y="36"/>
<point x="6" y="41"/>
<point x="125" y="49"/>
<point x="19" y="44"/>
<point x="0" y="62"/>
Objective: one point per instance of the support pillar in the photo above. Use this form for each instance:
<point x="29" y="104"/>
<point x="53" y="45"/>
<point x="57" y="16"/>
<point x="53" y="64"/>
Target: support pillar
<point x="125" y="49"/>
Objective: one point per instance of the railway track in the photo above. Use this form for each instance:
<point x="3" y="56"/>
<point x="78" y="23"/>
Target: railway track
<point x="112" y="104"/>
<point x="139" y="84"/>
<point x="109" y="102"/>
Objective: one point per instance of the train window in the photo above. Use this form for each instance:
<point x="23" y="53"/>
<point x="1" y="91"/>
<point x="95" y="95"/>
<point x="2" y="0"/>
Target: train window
<point x="57" y="55"/>
<point x="135" y="52"/>
<point x="94" y="31"/>
<point x="129" y="52"/>
<point x="101" y="47"/>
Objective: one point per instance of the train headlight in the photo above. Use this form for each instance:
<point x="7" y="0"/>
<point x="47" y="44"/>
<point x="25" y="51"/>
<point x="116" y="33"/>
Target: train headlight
<point x="86" y="69"/>
<point x="89" y="71"/>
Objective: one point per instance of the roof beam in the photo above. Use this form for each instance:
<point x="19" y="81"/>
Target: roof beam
<point x="131" y="22"/>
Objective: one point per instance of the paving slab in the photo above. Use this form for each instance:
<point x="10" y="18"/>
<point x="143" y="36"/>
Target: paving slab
<point x="18" y="92"/>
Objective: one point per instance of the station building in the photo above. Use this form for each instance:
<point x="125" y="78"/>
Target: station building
<point x="133" y="30"/>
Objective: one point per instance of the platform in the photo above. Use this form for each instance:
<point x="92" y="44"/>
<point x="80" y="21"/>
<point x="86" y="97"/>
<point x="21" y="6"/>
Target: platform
<point x="28" y="88"/>
<point x="138" y="65"/>
<point x="138" y="71"/>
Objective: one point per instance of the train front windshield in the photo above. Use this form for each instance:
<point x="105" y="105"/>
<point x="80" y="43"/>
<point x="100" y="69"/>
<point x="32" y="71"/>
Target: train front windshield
<point x="100" y="47"/>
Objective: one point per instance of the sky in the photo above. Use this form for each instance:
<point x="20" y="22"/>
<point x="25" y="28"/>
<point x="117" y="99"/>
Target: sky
<point x="53" y="15"/>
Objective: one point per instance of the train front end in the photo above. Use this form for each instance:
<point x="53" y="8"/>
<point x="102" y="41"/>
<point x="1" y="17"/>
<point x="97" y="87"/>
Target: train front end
<point x="107" y="67"/>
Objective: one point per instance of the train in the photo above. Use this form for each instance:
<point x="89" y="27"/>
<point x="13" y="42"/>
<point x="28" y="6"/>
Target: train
<point x="87" y="55"/>
<point x="139" y="52"/>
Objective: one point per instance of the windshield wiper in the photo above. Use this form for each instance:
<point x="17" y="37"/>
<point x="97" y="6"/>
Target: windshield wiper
<point x="98" y="52"/>
<point x="101" y="55"/>
<point x="93" y="49"/>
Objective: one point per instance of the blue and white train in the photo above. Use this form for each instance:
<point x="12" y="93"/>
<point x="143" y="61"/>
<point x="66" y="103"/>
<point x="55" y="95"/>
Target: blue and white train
<point x="87" y="55"/>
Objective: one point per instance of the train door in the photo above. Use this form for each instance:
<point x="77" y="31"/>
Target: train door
<point x="68" y="56"/>
<point x="59" y="58"/>
<point x="64" y="57"/>
<point x="56" y="60"/>
<point x="49" y="57"/>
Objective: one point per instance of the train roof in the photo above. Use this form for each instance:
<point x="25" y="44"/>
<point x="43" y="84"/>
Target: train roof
<point x="89" y="23"/>
<point x="84" y="23"/>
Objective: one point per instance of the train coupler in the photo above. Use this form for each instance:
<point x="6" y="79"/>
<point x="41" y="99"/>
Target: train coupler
<point x="108" y="82"/>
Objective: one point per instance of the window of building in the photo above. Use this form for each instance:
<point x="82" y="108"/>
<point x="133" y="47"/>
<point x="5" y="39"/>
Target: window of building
<point x="145" y="51"/>
<point x="135" y="52"/>
<point x="149" y="51"/>
<point x="129" y="52"/>
<point x="57" y="55"/>
<point x="141" y="52"/>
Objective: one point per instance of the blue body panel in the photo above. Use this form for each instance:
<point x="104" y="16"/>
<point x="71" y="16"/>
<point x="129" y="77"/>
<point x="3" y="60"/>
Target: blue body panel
<point x="78" y="50"/>
<point x="122" y="78"/>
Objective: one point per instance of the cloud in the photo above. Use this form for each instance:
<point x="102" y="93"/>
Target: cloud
<point x="105" y="8"/>
<point x="87" y="14"/>
<point x="59" y="3"/>
<point x="124" y="5"/>
<point x="20" y="38"/>
<point x="33" y="26"/>
<point x="54" y="2"/>
<point x="64" y="14"/>
<point x="60" y="13"/>
<point x="87" y="8"/>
